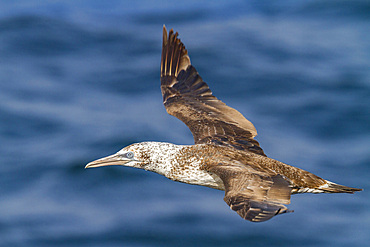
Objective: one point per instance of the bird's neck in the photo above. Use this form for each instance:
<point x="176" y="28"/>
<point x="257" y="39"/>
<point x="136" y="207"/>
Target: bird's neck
<point x="162" y="157"/>
<point x="181" y="163"/>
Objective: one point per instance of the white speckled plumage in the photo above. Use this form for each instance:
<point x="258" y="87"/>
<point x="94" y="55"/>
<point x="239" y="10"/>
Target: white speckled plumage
<point x="172" y="161"/>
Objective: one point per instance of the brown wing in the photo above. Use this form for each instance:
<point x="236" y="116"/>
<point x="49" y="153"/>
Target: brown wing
<point x="255" y="196"/>
<point x="187" y="97"/>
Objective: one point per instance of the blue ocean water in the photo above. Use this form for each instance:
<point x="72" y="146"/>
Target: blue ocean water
<point x="80" y="80"/>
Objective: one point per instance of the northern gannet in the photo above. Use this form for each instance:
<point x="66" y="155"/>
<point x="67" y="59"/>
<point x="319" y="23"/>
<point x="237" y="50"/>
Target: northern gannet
<point x="225" y="155"/>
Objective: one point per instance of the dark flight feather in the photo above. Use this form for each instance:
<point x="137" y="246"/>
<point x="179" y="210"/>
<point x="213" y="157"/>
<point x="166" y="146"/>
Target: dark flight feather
<point x="187" y="97"/>
<point x="254" y="195"/>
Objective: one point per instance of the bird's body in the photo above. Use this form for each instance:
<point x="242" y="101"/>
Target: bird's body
<point x="225" y="155"/>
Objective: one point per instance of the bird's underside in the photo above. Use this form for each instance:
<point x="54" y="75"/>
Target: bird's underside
<point x="257" y="188"/>
<point x="225" y="155"/>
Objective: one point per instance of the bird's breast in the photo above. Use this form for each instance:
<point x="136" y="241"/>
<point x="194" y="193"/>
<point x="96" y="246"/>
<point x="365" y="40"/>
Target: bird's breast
<point x="191" y="172"/>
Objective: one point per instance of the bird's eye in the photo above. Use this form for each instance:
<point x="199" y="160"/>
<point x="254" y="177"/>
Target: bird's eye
<point x="130" y="155"/>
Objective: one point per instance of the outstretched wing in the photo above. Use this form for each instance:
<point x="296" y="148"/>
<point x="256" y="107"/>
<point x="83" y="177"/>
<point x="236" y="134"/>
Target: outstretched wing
<point x="255" y="196"/>
<point x="187" y="97"/>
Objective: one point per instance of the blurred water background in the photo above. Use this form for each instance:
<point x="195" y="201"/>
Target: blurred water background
<point x="79" y="80"/>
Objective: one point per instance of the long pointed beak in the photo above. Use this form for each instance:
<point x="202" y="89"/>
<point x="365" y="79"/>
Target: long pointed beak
<point x="112" y="160"/>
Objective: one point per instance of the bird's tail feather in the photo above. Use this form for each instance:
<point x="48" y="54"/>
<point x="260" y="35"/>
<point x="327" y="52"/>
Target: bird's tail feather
<point x="331" y="187"/>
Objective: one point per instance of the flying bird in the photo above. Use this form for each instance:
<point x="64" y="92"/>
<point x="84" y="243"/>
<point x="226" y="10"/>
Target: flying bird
<point x="225" y="155"/>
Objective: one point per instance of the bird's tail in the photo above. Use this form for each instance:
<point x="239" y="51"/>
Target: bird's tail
<point x="327" y="187"/>
<point x="331" y="187"/>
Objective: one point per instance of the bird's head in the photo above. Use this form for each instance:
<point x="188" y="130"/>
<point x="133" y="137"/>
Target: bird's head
<point x="153" y="156"/>
<point x="135" y="155"/>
